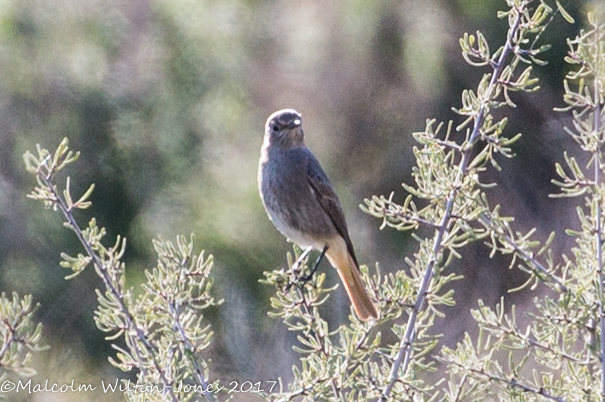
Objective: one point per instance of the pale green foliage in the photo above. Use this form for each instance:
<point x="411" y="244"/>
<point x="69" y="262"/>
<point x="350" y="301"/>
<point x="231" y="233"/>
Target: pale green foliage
<point x="558" y="355"/>
<point x="448" y="173"/>
<point x="455" y="205"/>
<point x="20" y="334"/>
<point x="163" y="327"/>
<point x="346" y="363"/>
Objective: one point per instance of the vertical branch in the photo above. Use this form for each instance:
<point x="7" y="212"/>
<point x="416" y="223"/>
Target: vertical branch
<point x="598" y="200"/>
<point x="162" y="327"/>
<point x="404" y="355"/>
<point x="601" y="277"/>
<point x="319" y="337"/>
<point x="323" y="373"/>
<point x="109" y="283"/>
<point x="197" y="371"/>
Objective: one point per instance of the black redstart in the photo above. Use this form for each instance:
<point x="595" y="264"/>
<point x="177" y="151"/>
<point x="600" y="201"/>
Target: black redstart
<point x="303" y="206"/>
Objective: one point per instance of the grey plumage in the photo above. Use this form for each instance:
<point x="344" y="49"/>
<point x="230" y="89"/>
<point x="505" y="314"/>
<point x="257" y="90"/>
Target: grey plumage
<point x="302" y="204"/>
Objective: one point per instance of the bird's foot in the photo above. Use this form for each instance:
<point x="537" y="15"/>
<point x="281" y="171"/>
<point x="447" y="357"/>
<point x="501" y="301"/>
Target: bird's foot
<point x="307" y="278"/>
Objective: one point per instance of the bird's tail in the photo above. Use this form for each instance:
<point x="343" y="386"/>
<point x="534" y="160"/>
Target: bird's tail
<point x="350" y="275"/>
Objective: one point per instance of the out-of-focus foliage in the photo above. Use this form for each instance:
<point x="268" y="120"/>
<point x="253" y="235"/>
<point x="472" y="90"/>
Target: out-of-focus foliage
<point x="167" y="100"/>
<point x="20" y="335"/>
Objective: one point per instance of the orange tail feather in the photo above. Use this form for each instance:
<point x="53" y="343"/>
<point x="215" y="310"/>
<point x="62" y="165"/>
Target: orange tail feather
<point x="351" y="279"/>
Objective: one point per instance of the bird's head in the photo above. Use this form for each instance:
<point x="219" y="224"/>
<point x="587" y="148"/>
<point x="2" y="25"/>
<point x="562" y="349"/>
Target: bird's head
<point x="284" y="128"/>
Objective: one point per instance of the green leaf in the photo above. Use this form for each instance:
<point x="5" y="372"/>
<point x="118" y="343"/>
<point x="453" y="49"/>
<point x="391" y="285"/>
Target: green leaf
<point x="565" y="14"/>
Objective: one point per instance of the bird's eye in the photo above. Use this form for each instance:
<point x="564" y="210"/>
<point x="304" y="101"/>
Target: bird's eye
<point x="275" y="128"/>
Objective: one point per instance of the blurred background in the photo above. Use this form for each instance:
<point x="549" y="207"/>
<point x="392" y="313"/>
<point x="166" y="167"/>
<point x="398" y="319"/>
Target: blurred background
<point x="166" y="100"/>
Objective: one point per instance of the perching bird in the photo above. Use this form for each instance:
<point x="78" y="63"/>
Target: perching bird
<point x="303" y="206"/>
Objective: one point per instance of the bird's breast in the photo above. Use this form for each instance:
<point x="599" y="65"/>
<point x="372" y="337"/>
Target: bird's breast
<point x="288" y="200"/>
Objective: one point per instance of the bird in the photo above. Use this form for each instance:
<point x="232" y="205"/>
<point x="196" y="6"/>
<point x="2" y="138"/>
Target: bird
<point x="302" y="204"/>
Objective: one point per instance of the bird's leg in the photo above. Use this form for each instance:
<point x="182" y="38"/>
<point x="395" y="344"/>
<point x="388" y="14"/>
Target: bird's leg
<point x="296" y="265"/>
<point x="304" y="255"/>
<point x="321" y="256"/>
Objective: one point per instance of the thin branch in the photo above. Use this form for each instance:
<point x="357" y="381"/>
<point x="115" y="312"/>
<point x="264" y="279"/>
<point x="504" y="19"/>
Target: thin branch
<point x="108" y="283"/>
<point x="562" y="354"/>
<point x="406" y="217"/>
<point x="11" y="328"/>
<point x="513" y="383"/>
<point x="521" y="252"/>
<point x="319" y="338"/>
<point x="403" y="357"/>
<point x="460" y="387"/>
<point x="304" y="305"/>
<point x="513" y="333"/>
<point x="299" y="392"/>
<point x="197" y="368"/>
<point x="597" y="195"/>
<point x="7" y="342"/>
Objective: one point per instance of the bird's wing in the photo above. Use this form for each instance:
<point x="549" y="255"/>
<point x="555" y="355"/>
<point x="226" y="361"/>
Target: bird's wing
<point x="327" y="198"/>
